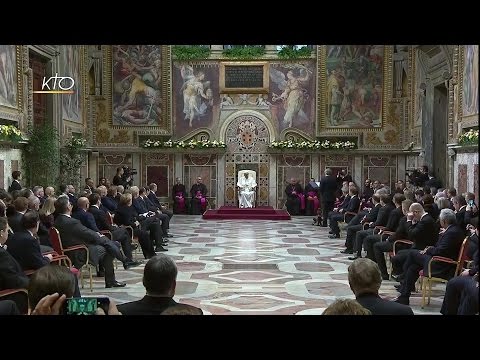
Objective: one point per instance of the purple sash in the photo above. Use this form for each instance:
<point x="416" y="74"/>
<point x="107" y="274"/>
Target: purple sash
<point x="180" y="201"/>
<point x="313" y="195"/>
<point x="203" y="201"/>
<point x="302" y="199"/>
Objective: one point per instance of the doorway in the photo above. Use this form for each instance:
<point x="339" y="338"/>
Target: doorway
<point x="439" y="144"/>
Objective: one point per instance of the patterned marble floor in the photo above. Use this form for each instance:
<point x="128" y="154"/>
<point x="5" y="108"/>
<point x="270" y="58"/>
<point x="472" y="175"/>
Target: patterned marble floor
<point x="261" y="267"/>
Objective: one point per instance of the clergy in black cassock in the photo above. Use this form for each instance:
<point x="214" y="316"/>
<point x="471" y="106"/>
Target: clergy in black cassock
<point x="312" y="201"/>
<point x="179" y="195"/>
<point x="199" y="200"/>
<point x="295" y="198"/>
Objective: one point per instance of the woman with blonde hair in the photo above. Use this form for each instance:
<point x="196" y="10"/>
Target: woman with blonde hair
<point x="46" y="212"/>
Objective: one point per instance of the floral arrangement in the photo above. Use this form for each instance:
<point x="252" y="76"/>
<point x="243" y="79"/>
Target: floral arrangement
<point x="291" y="52"/>
<point x="313" y="145"/>
<point x="10" y="132"/>
<point x="75" y="143"/>
<point x="469" y="138"/>
<point x="192" y="144"/>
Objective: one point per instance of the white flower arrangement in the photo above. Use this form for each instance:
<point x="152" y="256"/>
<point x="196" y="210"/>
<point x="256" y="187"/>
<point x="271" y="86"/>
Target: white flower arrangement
<point x="313" y="145"/>
<point x="192" y="144"/>
<point x="75" y="142"/>
<point x="10" y="132"/>
<point x="469" y="138"/>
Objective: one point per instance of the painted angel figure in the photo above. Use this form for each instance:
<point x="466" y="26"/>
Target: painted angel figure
<point x="197" y="94"/>
<point x="293" y="95"/>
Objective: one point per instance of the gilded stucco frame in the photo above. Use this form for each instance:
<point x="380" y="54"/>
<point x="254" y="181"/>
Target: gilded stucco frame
<point x="259" y="90"/>
<point x="70" y="126"/>
<point x="465" y="121"/>
<point x="165" y="125"/>
<point x="322" y="128"/>
<point x="16" y="113"/>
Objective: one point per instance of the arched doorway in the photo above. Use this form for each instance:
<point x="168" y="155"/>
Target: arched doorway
<point x="247" y="135"/>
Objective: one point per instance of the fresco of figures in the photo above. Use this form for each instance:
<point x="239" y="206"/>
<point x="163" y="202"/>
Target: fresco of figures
<point x="8" y="76"/>
<point x="292" y="91"/>
<point x="70" y="62"/>
<point x="194" y="93"/>
<point x="353" y="86"/>
<point x="470" y="80"/>
<point x="136" y="95"/>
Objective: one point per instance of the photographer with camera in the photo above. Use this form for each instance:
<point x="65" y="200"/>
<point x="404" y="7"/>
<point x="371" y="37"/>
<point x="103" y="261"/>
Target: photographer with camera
<point x="124" y="177"/>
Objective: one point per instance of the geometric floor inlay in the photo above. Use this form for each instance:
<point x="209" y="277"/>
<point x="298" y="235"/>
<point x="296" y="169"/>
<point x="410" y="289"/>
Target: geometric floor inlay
<point x="234" y="267"/>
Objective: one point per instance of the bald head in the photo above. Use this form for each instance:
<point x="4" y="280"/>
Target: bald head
<point x="417" y="210"/>
<point x="83" y="203"/>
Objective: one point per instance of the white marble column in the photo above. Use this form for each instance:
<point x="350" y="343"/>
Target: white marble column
<point x="220" y="180"/>
<point x="272" y="182"/>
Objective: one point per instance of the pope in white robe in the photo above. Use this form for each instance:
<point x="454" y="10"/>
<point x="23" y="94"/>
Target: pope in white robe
<point x="247" y="185"/>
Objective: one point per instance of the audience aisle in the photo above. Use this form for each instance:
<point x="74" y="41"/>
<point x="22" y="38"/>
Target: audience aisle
<point x="261" y="267"/>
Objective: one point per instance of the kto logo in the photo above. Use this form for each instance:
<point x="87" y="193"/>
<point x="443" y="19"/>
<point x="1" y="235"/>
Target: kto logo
<point x="57" y="85"/>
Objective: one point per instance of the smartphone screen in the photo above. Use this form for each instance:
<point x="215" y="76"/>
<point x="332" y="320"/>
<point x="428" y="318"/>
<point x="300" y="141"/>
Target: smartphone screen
<point x="86" y="305"/>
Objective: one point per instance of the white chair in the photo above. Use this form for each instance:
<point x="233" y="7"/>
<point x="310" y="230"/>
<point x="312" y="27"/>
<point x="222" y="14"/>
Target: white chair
<point x="252" y="184"/>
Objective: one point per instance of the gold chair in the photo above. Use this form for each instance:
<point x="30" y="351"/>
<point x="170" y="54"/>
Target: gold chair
<point x="59" y="249"/>
<point x="426" y="281"/>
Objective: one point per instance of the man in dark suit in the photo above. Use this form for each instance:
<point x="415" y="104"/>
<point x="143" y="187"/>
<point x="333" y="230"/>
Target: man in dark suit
<point x="149" y="221"/>
<point x="15" y="186"/>
<point x="365" y="279"/>
<point x="87" y="219"/>
<point x="72" y="232"/>
<point x="160" y="280"/>
<point x="386" y="246"/>
<point x="353" y="228"/>
<point x="15" y="220"/>
<point x="328" y="187"/>
<point x="448" y="245"/>
<point x="353" y="207"/>
<point x="151" y="194"/>
<point x="460" y="206"/>
<point x="159" y="214"/>
<point x="89" y="185"/>
<point x="433" y="182"/>
<point x="24" y="247"/>
<point x="11" y="273"/>
<point x="392" y="224"/>
<point x="421" y="229"/>
<point x="382" y="219"/>
<point x="118" y="178"/>
<point x="118" y="234"/>
<point x="109" y="202"/>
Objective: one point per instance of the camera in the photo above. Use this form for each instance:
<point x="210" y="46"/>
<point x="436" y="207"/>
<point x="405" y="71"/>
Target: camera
<point x="127" y="177"/>
<point x="470" y="202"/>
<point x="85" y="305"/>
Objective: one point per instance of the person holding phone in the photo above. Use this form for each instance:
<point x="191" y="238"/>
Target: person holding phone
<point x="51" y="290"/>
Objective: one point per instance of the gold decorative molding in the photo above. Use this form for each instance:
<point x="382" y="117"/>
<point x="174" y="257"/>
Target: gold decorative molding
<point x="15" y="113"/>
<point x="165" y="125"/>
<point x="387" y="90"/>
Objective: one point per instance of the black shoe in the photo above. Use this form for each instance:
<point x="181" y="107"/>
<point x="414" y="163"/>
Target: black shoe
<point x="160" y="248"/>
<point x="323" y="225"/>
<point x="398" y="278"/>
<point x="100" y="273"/>
<point x="354" y="257"/>
<point x="330" y="232"/>
<point x="398" y="286"/>
<point x="115" y="284"/>
<point x="129" y="264"/>
<point x="385" y="277"/>
<point x="169" y="235"/>
<point x="134" y="246"/>
<point x="402" y="300"/>
<point x="334" y="236"/>
<point x="164" y="243"/>
<point x="347" y="251"/>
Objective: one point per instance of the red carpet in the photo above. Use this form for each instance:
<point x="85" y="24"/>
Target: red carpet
<point x="259" y="213"/>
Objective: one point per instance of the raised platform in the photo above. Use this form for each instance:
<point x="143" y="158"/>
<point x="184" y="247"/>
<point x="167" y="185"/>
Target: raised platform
<point x="259" y="213"/>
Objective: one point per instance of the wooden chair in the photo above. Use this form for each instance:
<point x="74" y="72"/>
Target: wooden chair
<point x="391" y="254"/>
<point x="58" y="247"/>
<point x="426" y="281"/>
<point x="19" y="296"/>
